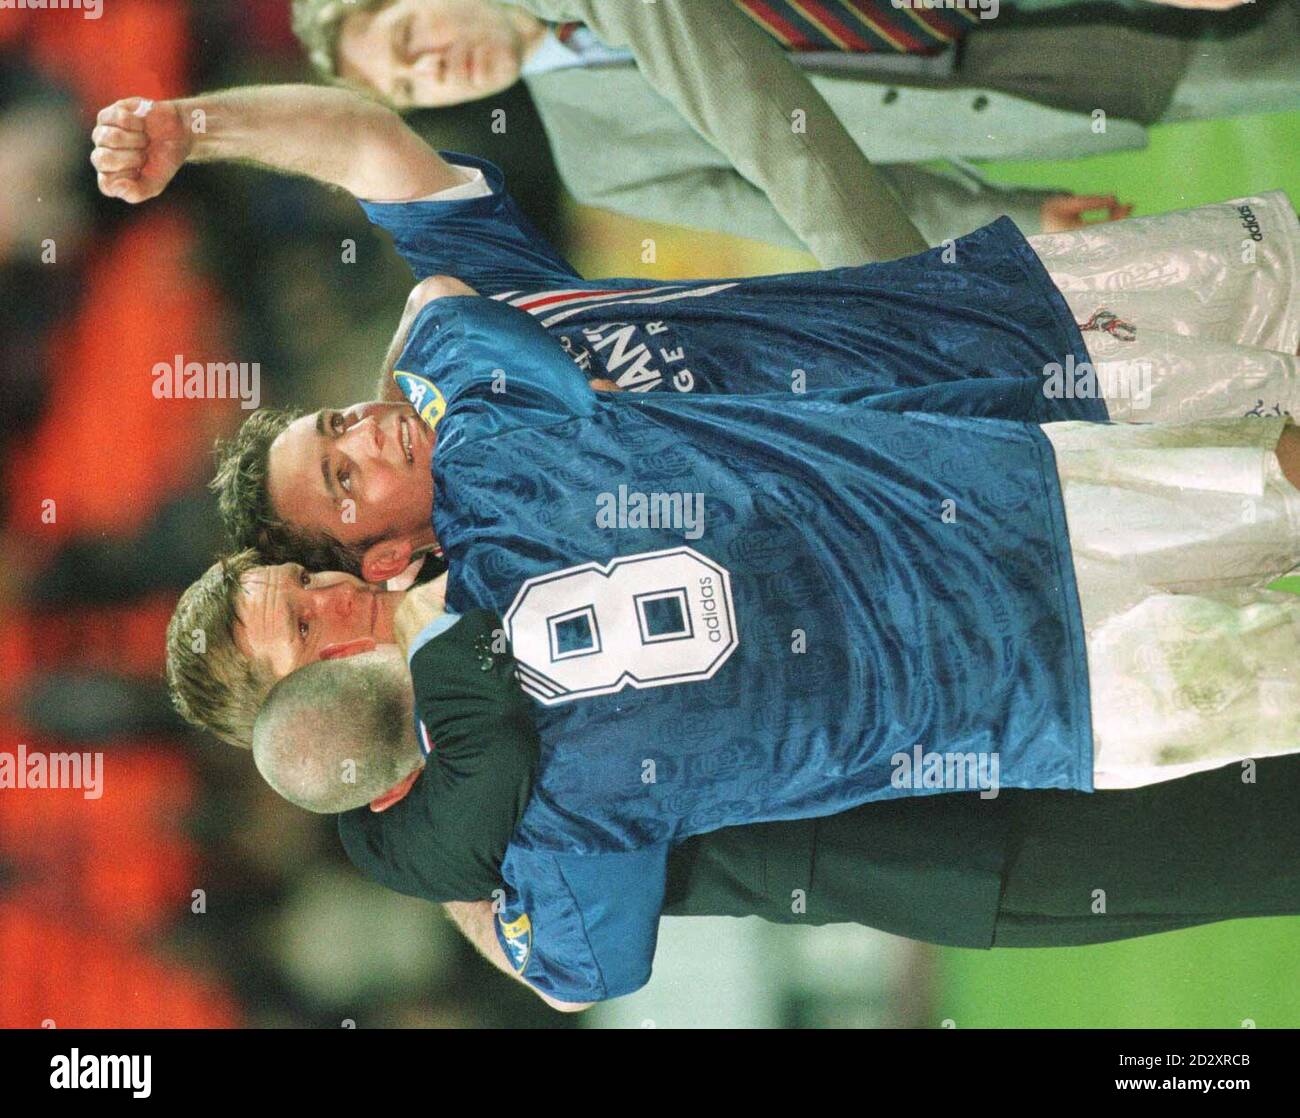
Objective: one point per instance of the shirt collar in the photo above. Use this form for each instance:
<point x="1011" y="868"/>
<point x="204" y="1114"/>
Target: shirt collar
<point x="582" y="49"/>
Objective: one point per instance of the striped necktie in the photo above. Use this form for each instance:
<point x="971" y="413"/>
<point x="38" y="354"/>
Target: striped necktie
<point x="851" y="26"/>
<point x="859" y="26"/>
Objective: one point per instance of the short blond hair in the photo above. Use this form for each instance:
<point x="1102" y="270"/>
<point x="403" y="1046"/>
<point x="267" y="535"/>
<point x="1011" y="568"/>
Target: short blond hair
<point x="317" y="23"/>
<point x="212" y="683"/>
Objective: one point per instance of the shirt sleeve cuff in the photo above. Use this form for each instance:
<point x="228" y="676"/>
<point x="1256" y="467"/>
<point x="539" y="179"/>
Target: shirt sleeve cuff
<point x="476" y="186"/>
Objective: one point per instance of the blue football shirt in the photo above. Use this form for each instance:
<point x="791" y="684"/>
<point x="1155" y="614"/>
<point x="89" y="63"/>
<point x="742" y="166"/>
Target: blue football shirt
<point x="732" y="609"/>
<point x="980" y="319"/>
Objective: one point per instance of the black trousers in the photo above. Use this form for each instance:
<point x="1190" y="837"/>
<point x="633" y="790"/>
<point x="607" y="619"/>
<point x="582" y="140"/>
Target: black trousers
<point x="1027" y="869"/>
<point x="1091" y="868"/>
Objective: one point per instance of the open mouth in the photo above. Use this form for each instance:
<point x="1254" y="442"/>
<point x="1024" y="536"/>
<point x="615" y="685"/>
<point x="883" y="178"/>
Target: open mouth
<point x="405" y="437"/>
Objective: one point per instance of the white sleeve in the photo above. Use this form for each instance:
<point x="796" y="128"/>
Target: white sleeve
<point x="474" y="186"/>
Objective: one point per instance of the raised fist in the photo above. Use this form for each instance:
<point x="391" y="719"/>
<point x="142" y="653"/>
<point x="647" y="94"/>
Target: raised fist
<point x="139" y="147"/>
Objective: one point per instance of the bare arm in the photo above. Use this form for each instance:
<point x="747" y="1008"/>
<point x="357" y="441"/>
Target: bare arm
<point x="332" y="135"/>
<point x="477" y="922"/>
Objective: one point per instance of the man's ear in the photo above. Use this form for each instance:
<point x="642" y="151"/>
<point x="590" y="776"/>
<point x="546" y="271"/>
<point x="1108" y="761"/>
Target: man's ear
<point x="344" y="649"/>
<point x="407" y="578"/>
<point x="386" y="560"/>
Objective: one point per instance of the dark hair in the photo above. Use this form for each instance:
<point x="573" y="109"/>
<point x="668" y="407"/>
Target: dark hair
<point x="242" y="485"/>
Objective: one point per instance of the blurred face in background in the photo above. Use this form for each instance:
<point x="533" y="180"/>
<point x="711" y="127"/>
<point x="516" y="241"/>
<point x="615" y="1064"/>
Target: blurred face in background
<point x="431" y="53"/>
<point x="289" y="617"/>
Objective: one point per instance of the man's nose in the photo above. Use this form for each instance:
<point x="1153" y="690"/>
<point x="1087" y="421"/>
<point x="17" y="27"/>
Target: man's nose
<point x="339" y="599"/>
<point x="365" y="437"/>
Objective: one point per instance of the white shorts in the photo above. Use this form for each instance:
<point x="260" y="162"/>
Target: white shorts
<point x="1175" y="533"/>
<point x="1188" y="315"/>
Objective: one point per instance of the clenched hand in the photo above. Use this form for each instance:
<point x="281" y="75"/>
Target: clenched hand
<point x="139" y="147"/>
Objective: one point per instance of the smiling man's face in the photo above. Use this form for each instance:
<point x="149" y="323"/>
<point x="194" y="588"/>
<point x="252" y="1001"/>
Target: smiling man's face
<point x="288" y="617"/>
<point x="358" y="475"/>
<point x="433" y="53"/>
